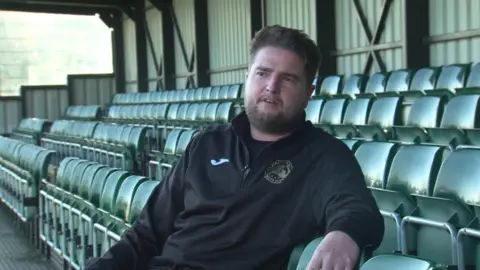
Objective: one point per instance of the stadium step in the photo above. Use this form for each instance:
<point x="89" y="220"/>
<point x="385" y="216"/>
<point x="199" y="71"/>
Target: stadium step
<point x="16" y="251"/>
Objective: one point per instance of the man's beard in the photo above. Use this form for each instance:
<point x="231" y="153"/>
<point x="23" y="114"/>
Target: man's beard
<point x="278" y="124"/>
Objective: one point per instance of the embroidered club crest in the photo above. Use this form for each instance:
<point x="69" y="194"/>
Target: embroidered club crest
<point x="278" y="171"/>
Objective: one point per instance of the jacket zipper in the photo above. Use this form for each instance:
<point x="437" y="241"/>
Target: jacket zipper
<point x="246" y="170"/>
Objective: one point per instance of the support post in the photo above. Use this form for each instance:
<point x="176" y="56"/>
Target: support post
<point x="326" y="36"/>
<point x="416" y="52"/>
<point x="201" y="59"/>
<point x="141" y="45"/>
<point x="118" y="51"/>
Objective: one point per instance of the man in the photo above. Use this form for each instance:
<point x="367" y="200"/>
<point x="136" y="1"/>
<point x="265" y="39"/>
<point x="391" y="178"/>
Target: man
<point x="245" y="194"/>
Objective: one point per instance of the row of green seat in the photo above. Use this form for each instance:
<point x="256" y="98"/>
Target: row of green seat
<point x="30" y="130"/>
<point x="429" y="118"/>
<point x="446" y="79"/>
<point x="88" y="206"/>
<point x="194" y="112"/>
<point x="117" y="145"/>
<point x="205" y="94"/>
<point x="22" y="166"/>
<point x="425" y="192"/>
<point x="83" y="112"/>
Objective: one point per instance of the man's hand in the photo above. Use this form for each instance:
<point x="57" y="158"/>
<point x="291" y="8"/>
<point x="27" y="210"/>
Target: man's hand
<point x="337" y="251"/>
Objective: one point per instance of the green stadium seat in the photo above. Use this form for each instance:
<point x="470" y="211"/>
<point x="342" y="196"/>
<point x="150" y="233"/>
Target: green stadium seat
<point x="413" y="170"/>
<point x="206" y="93"/>
<point x="198" y="94"/>
<point x="234" y="91"/>
<point x="353" y="85"/>
<point x="330" y="85"/>
<point x="225" y="112"/>
<point x="400" y="262"/>
<point x="190" y="95"/>
<point x="223" y="92"/>
<point x="451" y="77"/>
<point x="398" y="81"/>
<point x="300" y="261"/>
<point x="375" y="84"/>
<point x="423" y="80"/>
<point x="173" y="112"/>
<point x="356" y="114"/>
<point x="440" y="216"/>
<point x="375" y="159"/>
<point x="159" y="111"/>
<point x="191" y="115"/>
<point x="167" y="157"/>
<point x="183" y="141"/>
<point x="385" y="113"/>
<point x="175" y="96"/>
<point x="352" y="144"/>
<point x="313" y="110"/>
<point x="459" y="122"/>
<point x="201" y="112"/>
<point x="215" y="93"/>
<point x="182" y="114"/>
<point x="107" y="208"/>
<point x="157" y="97"/>
<point x="426" y="112"/>
<point x="182" y="95"/>
<point x="211" y="112"/>
<point x="141" y="197"/>
<point x="115" y="224"/>
<point x="472" y="83"/>
<point x="332" y="114"/>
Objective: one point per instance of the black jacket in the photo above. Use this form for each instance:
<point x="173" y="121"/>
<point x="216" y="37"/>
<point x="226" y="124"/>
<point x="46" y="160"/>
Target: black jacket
<point x="248" y="214"/>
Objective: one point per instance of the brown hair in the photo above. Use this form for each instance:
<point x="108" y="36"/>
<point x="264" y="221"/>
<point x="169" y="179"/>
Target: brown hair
<point x="290" y="39"/>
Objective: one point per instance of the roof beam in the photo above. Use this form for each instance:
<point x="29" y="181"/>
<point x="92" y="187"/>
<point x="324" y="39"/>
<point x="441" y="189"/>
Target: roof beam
<point x="41" y="8"/>
<point x="71" y="3"/>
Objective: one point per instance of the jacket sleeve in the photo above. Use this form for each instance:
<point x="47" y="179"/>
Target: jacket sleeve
<point x="148" y="234"/>
<point x="342" y="201"/>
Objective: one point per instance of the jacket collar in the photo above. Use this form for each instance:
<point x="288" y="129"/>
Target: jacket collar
<point x="241" y="125"/>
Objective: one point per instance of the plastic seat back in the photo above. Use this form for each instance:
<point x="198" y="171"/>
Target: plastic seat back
<point x="399" y="81"/>
<point x="424" y="79"/>
<point x="96" y="188"/>
<point x="125" y="196"/>
<point x="333" y="111"/>
<point x="142" y="194"/>
<point x="354" y="84"/>
<point x="375" y="159"/>
<point x="110" y="190"/>
<point x="400" y="262"/>
<point x="452" y="77"/>
<point x="171" y="142"/>
<point x="330" y="85"/>
<point x="313" y="110"/>
<point x="376" y="83"/>
<point x="225" y="112"/>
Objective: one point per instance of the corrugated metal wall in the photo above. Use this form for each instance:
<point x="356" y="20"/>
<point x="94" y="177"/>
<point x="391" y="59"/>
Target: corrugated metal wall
<point x="184" y="12"/>
<point x="350" y="34"/>
<point x="94" y="89"/>
<point x="229" y="27"/>
<point x="130" y="49"/>
<point x="299" y="14"/>
<point x="448" y="17"/>
<point x="154" y="22"/>
<point x="10" y="113"/>
<point x="44" y="101"/>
